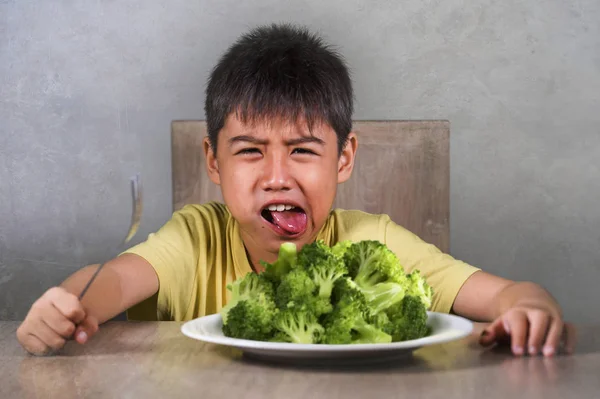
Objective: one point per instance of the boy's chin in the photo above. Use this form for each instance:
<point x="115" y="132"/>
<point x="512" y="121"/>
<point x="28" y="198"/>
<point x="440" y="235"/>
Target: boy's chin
<point x="273" y="240"/>
<point x="278" y="239"/>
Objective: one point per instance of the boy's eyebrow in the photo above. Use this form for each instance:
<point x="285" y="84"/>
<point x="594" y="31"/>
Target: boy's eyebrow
<point x="305" y="139"/>
<point x="246" y="138"/>
<point x="254" y="140"/>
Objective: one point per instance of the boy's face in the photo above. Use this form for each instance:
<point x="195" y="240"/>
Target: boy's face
<point x="278" y="180"/>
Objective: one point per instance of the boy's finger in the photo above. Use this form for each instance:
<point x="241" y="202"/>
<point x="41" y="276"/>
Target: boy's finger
<point x="86" y="329"/>
<point x="498" y="331"/>
<point x="488" y="335"/>
<point x="36" y="346"/>
<point x="58" y="322"/>
<point x="68" y="304"/>
<point x="538" y="327"/>
<point x="553" y="338"/>
<point x="555" y="334"/>
<point x="517" y="325"/>
<point x="48" y="336"/>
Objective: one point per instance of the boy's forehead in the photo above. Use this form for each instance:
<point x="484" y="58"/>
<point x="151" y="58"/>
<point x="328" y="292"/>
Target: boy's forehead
<point x="265" y="128"/>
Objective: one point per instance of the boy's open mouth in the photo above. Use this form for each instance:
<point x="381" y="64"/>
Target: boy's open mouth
<point x="285" y="219"/>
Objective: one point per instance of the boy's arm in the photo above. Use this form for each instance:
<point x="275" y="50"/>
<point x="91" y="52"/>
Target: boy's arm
<point x="58" y="315"/>
<point x="523" y="311"/>
<point x="123" y="282"/>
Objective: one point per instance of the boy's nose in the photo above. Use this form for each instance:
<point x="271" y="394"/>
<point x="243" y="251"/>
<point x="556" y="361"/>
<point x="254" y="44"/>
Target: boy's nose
<point x="276" y="175"/>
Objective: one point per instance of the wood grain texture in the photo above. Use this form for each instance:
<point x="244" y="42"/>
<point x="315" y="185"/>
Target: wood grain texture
<point x="402" y="169"/>
<point x="191" y="184"/>
<point x="155" y="360"/>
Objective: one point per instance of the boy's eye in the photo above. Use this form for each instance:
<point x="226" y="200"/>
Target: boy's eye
<point x="248" y="151"/>
<point x="303" y="151"/>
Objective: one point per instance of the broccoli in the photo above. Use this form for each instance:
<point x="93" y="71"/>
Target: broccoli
<point x="298" y="326"/>
<point x="406" y="320"/>
<point x="347" y="323"/>
<point x="251" y="318"/>
<point x="296" y="289"/>
<point x="247" y="287"/>
<point x="382" y="321"/>
<point x="372" y="262"/>
<point x="346" y="289"/>
<point x="286" y="261"/>
<point x="340" y="248"/>
<point x="350" y="293"/>
<point x="377" y="272"/>
<point x="323" y="266"/>
<point x="419" y="288"/>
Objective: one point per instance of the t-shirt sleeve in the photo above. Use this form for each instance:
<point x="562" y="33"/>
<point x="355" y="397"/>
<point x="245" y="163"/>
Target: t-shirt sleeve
<point x="445" y="274"/>
<point x="173" y="252"/>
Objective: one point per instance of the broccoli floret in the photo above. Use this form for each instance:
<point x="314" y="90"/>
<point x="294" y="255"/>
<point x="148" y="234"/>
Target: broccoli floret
<point x="296" y="289"/>
<point x="339" y="249"/>
<point x="323" y="266"/>
<point x="377" y="272"/>
<point x="346" y="289"/>
<point x="407" y="320"/>
<point x="418" y="287"/>
<point x="372" y="262"/>
<point x="313" y="252"/>
<point x="297" y="326"/>
<point x="286" y="261"/>
<point x="251" y="318"/>
<point x="382" y="321"/>
<point x="247" y="287"/>
<point x="347" y="323"/>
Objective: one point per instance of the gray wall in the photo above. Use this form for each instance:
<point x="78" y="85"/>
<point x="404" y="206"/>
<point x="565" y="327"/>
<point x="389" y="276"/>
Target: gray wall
<point x="88" y="90"/>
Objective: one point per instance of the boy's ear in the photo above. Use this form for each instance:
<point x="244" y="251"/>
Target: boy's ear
<point x="346" y="159"/>
<point x="212" y="167"/>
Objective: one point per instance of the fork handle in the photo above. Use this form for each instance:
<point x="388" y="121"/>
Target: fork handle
<point x="89" y="283"/>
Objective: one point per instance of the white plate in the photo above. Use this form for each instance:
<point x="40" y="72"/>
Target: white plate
<point x="445" y="328"/>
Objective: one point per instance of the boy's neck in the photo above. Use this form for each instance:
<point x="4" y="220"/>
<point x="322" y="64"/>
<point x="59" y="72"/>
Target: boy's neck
<point x="255" y="255"/>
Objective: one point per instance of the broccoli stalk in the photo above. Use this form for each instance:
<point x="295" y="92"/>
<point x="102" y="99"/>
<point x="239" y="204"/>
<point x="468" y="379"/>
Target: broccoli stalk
<point x="297" y="326"/>
<point x="286" y="261"/>
<point x="365" y="333"/>
<point x="347" y="323"/>
<point x="326" y="275"/>
<point x="383" y="295"/>
<point x="377" y="272"/>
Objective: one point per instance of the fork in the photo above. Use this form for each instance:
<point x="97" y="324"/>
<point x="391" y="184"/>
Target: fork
<point x="136" y="194"/>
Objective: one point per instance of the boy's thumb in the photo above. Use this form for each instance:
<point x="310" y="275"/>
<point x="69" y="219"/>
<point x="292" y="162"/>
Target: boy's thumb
<point x="86" y="329"/>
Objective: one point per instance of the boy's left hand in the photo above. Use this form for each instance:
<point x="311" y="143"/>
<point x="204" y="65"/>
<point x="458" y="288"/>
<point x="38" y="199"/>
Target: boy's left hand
<point x="531" y="327"/>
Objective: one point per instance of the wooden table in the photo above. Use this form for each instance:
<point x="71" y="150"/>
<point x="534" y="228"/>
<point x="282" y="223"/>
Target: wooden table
<point x="154" y="360"/>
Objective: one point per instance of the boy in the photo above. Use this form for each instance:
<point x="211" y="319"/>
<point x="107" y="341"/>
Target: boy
<point x="279" y="114"/>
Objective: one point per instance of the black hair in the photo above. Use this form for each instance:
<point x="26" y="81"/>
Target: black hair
<point x="280" y="71"/>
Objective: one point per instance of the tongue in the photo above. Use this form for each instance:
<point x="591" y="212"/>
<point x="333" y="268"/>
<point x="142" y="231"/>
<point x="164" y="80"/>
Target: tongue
<point x="292" y="222"/>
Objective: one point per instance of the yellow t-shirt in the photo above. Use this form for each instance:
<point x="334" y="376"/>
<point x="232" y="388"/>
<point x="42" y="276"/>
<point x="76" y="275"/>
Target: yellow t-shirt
<point x="199" y="251"/>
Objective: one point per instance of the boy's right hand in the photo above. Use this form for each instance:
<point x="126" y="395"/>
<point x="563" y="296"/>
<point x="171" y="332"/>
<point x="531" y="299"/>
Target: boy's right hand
<point x="54" y="318"/>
